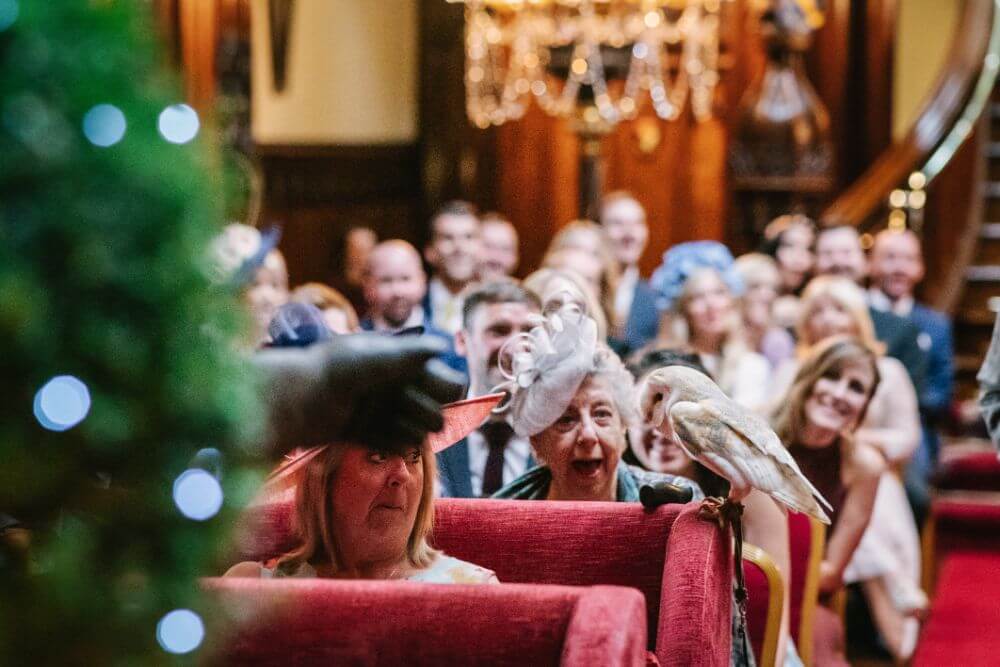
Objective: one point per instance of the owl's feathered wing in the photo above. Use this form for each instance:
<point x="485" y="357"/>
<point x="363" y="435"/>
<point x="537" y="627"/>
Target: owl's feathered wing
<point x="716" y="431"/>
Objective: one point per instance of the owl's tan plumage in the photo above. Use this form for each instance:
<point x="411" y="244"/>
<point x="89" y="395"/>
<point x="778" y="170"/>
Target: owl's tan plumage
<point x="731" y="441"/>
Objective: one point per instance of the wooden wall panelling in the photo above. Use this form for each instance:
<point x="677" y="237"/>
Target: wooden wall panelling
<point x="457" y="160"/>
<point x="682" y="181"/>
<point x="317" y="193"/>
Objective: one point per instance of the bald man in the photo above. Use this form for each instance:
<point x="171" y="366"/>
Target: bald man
<point x="896" y="267"/>
<point x="395" y="286"/>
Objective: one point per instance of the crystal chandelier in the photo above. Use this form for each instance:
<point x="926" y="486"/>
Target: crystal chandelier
<point x="571" y="55"/>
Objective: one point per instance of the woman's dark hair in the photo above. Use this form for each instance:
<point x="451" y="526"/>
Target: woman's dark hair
<point x="710" y="483"/>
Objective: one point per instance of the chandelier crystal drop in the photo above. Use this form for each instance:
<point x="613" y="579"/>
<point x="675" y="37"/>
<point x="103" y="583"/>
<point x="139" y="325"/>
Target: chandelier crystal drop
<point x="564" y="53"/>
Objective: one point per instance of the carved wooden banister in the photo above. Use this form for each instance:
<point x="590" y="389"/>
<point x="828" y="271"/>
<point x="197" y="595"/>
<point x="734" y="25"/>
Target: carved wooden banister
<point x="946" y="117"/>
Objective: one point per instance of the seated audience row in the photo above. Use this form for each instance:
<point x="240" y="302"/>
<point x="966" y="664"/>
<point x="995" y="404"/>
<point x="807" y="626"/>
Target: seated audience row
<point x="758" y="325"/>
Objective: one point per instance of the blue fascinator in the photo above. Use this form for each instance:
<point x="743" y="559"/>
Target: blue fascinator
<point x="685" y="259"/>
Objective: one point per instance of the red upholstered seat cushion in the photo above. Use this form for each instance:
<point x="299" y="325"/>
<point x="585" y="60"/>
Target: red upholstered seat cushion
<point x="324" y="622"/>
<point x="972" y="472"/>
<point x="964" y="624"/>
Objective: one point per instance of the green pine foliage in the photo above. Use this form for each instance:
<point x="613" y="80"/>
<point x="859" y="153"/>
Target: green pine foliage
<point x="103" y="276"/>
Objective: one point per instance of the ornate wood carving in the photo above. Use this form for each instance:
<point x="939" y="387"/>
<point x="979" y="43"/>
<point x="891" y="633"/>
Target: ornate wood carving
<point x="781" y="157"/>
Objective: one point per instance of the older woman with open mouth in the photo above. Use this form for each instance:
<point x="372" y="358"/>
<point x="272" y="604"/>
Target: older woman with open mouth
<point x="573" y="398"/>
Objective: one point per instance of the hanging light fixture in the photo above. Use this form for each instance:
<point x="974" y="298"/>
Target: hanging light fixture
<point x="563" y="53"/>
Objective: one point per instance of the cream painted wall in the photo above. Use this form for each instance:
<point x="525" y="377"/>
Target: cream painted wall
<point x="351" y="74"/>
<point x="924" y="33"/>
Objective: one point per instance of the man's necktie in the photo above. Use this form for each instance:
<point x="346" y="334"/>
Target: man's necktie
<point x="497" y="435"/>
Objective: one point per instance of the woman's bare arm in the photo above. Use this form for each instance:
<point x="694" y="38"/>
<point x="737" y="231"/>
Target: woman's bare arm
<point x="862" y="484"/>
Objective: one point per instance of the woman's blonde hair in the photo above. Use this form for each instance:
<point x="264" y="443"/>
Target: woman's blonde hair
<point x="829" y="356"/>
<point x="610" y="273"/>
<point x="676" y="333"/>
<point x="538" y="282"/>
<point x="325" y="297"/>
<point x="314" y="524"/>
<point x="849" y="297"/>
<point x="756" y="267"/>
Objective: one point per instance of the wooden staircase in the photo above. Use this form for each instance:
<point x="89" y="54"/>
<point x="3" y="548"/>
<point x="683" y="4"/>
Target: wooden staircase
<point x="977" y="309"/>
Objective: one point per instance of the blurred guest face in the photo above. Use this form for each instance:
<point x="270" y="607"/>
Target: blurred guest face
<point x="586" y="239"/>
<point x="838" y="252"/>
<point x="358" y="246"/>
<point x="395" y="283"/>
<point x="269" y="290"/>
<point x="795" y="256"/>
<point x="582" y="262"/>
<point x="758" y="299"/>
<point x="662" y="453"/>
<point x="708" y="305"/>
<point x="625" y="223"/>
<point x="455" y="248"/>
<point x="828" y="317"/>
<point x="374" y="499"/>
<point x="491" y="326"/>
<point x="583" y="447"/>
<point x="896" y="263"/>
<point x="839" y="397"/>
<point x="499" y="256"/>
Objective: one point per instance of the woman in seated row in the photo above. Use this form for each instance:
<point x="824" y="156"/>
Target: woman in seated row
<point x="886" y="563"/>
<point x="362" y="513"/>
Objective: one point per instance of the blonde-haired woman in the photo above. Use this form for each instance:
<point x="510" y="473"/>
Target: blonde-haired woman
<point x="366" y="514"/>
<point x="826" y="400"/>
<point x="697" y="288"/>
<point x="887" y="562"/>
<point x="762" y="283"/>
<point x="557" y="287"/>
<point x="582" y="247"/>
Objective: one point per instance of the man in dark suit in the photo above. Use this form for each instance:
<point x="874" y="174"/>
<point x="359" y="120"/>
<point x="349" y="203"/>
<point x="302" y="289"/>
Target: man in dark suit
<point x="624" y="221"/>
<point x="838" y="252"/>
<point x="394" y="287"/>
<point x="493" y="455"/>
<point x="897" y="267"/>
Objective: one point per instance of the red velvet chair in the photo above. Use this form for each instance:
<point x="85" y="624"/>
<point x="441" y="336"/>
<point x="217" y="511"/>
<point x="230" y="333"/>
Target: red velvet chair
<point x="964" y="623"/>
<point x="806" y="542"/>
<point x="959" y="521"/>
<point x="765" y="598"/>
<point x="977" y="471"/>
<point x="325" y="622"/>
<point x="681" y="563"/>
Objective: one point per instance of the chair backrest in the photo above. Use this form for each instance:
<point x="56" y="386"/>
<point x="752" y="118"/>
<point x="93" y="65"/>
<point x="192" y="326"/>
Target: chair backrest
<point x="806" y="542"/>
<point x="765" y="598"/>
<point x="978" y="471"/>
<point x="681" y="563"/>
<point x="326" y="622"/>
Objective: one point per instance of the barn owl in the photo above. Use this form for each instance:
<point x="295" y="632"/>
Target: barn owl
<point x="723" y="436"/>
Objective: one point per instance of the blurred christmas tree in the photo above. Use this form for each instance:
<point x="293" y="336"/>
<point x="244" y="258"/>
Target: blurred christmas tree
<point x="116" y="353"/>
